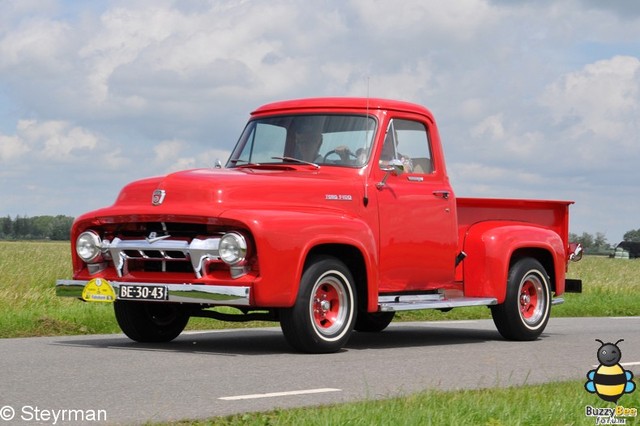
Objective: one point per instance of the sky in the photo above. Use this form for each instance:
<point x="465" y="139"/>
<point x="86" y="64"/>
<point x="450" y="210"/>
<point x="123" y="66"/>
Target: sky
<point x="534" y="99"/>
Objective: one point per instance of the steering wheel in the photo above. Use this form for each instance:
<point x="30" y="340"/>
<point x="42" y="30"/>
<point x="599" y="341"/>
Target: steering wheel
<point x="335" y="152"/>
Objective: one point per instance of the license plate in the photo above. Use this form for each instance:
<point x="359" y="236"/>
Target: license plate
<point x="142" y="292"/>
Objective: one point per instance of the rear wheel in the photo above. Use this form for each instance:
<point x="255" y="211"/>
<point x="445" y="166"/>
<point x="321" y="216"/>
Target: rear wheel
<point x="150" y="321"/>
<point x="526" y="309"/>
<point x="323" y="316"/>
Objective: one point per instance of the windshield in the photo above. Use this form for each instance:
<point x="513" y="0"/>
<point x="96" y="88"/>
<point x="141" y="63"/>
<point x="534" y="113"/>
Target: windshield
<point x="340" y="140"/>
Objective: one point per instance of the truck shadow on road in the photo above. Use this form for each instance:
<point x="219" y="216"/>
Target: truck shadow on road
<point x="270" y="341"/>
<point x="404" y="335"/>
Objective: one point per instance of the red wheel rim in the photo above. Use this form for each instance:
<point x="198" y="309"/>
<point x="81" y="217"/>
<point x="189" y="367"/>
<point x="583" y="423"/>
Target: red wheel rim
<point x="329" y="305"/>
<point x="531" y="299"/>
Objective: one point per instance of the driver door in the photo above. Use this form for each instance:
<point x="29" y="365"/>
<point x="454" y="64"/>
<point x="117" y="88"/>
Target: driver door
<point x="418" y="235"/>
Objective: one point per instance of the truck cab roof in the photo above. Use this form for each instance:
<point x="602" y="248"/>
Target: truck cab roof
<point x="299" y="105"/>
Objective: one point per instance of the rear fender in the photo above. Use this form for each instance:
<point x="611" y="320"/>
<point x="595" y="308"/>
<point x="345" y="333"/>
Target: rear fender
<point x="491" y="246"/>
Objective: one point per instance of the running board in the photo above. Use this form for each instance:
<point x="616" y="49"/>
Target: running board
<point x="430" y="301"/>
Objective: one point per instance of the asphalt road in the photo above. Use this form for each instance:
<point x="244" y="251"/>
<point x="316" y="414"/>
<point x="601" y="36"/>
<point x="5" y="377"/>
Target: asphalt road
<point x="214" y="373"/>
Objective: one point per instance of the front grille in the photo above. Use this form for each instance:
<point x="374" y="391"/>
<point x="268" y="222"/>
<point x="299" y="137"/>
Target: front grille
<point x="156" y="254"/>
<point x="180" y="247"/>
<point x="162" y="254"/>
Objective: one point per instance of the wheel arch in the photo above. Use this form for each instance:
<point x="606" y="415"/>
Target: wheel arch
<point x="286" y="240"/>
<point x="543" y="256"/>
<point x="353" y="259"/>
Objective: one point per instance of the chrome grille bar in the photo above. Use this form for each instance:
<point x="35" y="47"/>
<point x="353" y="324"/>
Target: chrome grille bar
<point x="197" y="251"/>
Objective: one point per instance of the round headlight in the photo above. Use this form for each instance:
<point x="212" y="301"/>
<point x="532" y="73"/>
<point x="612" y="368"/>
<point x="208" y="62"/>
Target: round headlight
<point x="88" y="246"/>
<point x="232" y="248"/>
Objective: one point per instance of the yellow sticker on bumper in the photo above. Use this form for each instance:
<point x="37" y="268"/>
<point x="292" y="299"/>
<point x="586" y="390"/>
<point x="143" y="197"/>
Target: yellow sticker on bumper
<point x="98" y="290"/>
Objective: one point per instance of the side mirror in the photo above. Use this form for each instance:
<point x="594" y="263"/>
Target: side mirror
<point x="395" y="168"/>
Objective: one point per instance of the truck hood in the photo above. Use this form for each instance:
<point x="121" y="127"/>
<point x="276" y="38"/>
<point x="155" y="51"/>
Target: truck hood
<point x="210" y="192"/>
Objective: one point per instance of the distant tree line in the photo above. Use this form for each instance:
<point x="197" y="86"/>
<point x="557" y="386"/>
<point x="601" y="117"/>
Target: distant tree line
<point x="36" y="228"/>
<point x="632" y="236"/>
<point x="59" y="228"/>
<point x="592" y="244"/>
<point x="598" y="244"/>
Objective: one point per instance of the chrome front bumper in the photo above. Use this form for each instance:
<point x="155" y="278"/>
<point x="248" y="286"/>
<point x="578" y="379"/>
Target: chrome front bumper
<point x="179" y="293"/>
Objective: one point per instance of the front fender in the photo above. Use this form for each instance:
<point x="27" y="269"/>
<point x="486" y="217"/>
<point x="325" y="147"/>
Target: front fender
<point x="491" y="245"/>
<point x="284" y="239"/>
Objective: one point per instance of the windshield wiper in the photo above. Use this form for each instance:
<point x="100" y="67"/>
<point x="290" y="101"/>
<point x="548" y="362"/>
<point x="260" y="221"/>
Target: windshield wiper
<point x="248" y="163"/>
<point x="296" y="160"/>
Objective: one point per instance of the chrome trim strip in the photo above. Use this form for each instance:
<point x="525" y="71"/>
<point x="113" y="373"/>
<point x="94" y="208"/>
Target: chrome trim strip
<point x="410" y="298"/>
<point x="181" y="293"/>
<point x="438" y="304"/>
<point x="557" y="301"/>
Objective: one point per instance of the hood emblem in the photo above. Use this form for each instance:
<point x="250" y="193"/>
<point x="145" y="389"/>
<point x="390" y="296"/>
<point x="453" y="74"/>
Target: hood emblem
<point x="158" y="197"/>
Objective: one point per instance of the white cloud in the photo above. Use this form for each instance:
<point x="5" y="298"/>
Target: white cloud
<point x="602" y="98"/>
<point x="596" y="111"/>
<point x="168" y="156"/>
<point x="56" y="140"/>
<point x="491" y="127"/>
<point x="498" y="139"/>
<point x="167" y="150"/>
<point x="458" y="20"/>
<point x="227" y="50"/>
<point x="38" y="42"/>
<point x="174" y="155"/>
<point x="498" y="182"/>
<point x="11" y="147"/>
<point x="68" y="151"/>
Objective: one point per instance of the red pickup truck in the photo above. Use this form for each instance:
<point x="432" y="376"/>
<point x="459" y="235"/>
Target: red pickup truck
<point x="330" y="215"/>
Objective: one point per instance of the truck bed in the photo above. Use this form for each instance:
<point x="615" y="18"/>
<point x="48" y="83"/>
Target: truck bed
<point x="550" y="214"/>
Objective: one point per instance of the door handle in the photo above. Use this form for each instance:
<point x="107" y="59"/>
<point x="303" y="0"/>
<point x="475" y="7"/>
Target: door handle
<point x="442" y="194"/>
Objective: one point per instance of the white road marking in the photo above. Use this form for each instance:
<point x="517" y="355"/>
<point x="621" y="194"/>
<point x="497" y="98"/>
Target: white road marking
<point x="277" y="394"/>
<point x="625" y="318"/>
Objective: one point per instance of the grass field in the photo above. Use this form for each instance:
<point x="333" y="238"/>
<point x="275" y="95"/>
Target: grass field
<point x="28" y="271"/>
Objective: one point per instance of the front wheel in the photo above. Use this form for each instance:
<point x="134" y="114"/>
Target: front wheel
<point x="323" y="316"/>
<point x="148" y="322"/>
<point x="526" y="309"/>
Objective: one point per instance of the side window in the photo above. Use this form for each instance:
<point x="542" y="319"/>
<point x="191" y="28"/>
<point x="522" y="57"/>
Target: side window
<point x="408" y="141"/>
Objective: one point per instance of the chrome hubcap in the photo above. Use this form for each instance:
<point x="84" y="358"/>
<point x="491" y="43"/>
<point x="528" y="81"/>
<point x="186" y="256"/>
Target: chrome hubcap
<point x="533" y="302"/>
<point x="329" y="305"/>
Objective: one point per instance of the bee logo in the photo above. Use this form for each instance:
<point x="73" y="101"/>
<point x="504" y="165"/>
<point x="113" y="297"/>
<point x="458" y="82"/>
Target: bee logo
<point x="609" y="381"/>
